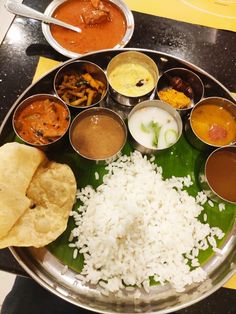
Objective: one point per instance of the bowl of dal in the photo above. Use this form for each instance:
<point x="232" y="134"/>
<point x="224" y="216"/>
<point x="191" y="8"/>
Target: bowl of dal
<point x="98" y="134"/>
<point x="110" y="25"/>
<point x="154" y="126"/>
<point x="212" y="123"/>
<point x="132" y="77"/>
<point x="41" y="120"/>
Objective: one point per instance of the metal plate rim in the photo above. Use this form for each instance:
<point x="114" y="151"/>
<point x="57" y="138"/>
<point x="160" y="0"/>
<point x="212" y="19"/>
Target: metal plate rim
<point x="39" y="276"/>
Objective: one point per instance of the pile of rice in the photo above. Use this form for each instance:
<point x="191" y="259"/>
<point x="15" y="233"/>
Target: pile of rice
<point x="137" y="225"/>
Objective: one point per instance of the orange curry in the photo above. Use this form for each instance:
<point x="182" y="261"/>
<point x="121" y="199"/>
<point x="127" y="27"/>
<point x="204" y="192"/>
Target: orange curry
<point x="42" y="122"/>
<point x="106" y="33"/>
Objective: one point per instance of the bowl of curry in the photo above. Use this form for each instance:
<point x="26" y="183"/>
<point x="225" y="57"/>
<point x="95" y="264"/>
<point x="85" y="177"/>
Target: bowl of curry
<point x="41" y="120"/>
<point x="104" y="24"/>
<point x="212" y="124"/>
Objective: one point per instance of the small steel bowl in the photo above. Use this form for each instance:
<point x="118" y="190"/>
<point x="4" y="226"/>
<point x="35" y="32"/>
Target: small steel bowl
<point x="80" y="67"/>
<point x="191" y="135"/>
<point x="131" y="57"/>
<point x="219" y="171"/>
<point x="77" y="138"/>
<point x="187" y="76"/>
<point x="55" y="142"/>
<point x="153" y="104"/>
<point x="54" y="5"/>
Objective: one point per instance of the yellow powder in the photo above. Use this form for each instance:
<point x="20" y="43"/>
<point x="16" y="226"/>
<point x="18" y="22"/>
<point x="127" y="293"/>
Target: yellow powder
<point x="176" y="99"/>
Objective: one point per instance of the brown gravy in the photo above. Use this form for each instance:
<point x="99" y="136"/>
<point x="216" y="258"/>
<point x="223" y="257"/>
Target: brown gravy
<point x="221" y="173"/>
<point x="98" y="136"/>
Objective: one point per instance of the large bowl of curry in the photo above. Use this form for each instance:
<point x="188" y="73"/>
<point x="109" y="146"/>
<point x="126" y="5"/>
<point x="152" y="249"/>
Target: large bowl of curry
<point x="104" y="24"/>
<point x="41" y="120"/>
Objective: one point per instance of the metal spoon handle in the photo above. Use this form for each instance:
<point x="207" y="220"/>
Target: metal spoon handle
<point x="23" y="10"/>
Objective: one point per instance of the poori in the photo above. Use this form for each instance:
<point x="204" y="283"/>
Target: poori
<point x="18" y="164"/>
<point x="37" y="215"/>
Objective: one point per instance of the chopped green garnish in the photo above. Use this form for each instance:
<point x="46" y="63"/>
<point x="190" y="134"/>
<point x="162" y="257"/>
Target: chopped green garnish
<point x="154" y="128"/>
<point x="145" y="128"/>
<point x="156" y="131"/>
<point x="169" y="133"/>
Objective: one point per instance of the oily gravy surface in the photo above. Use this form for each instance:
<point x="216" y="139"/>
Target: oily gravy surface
<point x="94" y="37"/>
<point x="42" y="122"/>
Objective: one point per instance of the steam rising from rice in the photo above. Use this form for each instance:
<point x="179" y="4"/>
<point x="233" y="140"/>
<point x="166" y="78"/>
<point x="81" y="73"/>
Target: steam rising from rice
<point x="137" y="225"/>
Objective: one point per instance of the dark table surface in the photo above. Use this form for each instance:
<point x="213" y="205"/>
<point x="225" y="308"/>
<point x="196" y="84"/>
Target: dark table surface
<point x="211" y="49"/>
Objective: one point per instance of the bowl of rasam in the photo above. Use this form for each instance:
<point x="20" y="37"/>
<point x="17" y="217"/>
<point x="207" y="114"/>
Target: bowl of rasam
<point x="98" y="134"/>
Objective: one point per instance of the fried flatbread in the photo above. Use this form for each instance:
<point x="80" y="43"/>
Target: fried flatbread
<point x="52" y="194"/>
<point x="18" y="163"/>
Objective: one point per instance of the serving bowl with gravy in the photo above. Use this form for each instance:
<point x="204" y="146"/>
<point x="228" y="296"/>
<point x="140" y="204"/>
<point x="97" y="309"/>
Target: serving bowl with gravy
<point x="98" y="134"/>
<point x="41" y="120"/>
<point x="212" y="124"/>
<point x="112" y="29"/>
<point x="218" y="176"/>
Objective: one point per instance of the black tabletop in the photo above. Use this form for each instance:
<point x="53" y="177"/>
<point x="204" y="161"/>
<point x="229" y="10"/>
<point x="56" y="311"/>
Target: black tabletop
<point x="211" y="49"/>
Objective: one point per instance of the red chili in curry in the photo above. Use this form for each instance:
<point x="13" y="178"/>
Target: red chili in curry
<point x="42" y="122"/>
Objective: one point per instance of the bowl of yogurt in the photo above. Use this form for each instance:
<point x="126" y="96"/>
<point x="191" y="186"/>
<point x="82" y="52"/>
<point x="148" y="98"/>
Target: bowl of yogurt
<point x="154" y="126"/>
<point x="132" y="77"/>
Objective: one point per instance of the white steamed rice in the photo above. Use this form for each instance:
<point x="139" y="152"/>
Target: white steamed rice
<point x="137" y="225"/>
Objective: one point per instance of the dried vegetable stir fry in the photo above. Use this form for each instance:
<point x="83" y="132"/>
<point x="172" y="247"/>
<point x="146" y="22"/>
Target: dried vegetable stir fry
<point x="80" y="89"/>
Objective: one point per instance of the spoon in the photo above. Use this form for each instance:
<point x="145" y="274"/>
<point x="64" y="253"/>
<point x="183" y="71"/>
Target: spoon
<point x="23" y="10"/>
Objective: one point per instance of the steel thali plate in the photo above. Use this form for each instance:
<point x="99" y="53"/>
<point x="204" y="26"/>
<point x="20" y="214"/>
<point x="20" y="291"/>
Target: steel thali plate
<point x="50" y="272"/>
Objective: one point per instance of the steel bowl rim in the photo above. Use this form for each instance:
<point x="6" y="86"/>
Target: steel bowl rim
<point x="70" y="54"/>
<point x="205" y="167"/>
<point x="96" y="110"/>
<point x="147" y="58"/>
<point x="80" y="62"/>
<point x="194" y="74"/>
<point x="35" y="97"/>
<point x="155" y="103"/>
<point x="190" y="120"/>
